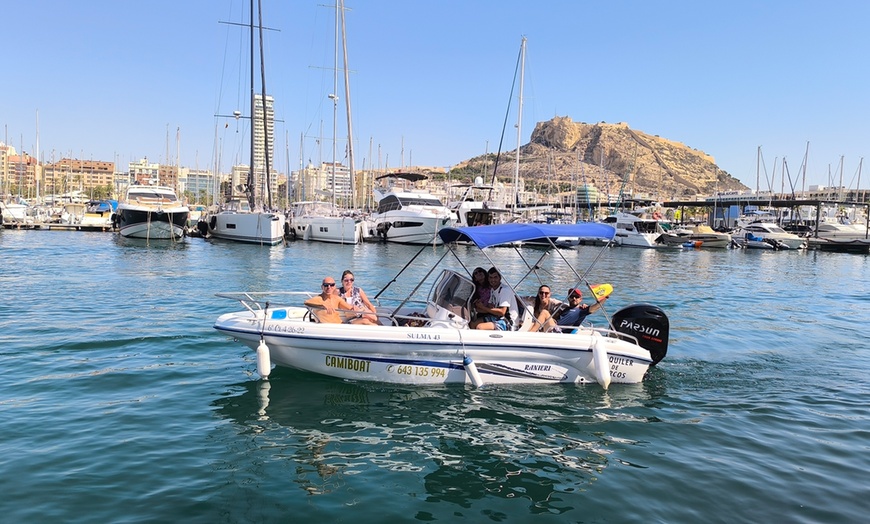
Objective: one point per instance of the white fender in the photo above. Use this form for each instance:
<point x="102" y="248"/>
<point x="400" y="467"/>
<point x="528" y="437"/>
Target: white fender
<point x="264" y="364"/>
<point x="599" y="357"/>
<point x="471" y="370"/>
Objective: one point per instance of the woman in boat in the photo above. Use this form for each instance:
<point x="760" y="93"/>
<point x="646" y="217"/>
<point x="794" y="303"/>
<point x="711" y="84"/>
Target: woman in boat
<point x="545" y="306"/>
<point x="357" y="298"/>
<point x="481" y="285"/>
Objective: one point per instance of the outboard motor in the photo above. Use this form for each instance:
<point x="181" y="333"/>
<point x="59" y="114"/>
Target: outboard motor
<point x="648" y="324"/>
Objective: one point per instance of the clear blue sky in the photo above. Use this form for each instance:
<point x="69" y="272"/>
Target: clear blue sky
<point x="110" y="80"/>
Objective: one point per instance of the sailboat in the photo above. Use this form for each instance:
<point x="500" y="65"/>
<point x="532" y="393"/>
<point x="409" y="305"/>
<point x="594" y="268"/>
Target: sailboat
<point x="247" y="219"/>
<point x="325" y="221"/>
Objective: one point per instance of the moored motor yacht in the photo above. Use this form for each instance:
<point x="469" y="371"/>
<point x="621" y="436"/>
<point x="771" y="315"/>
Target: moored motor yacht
<point x="151" y="212"/>
<point x="408" y="216"/>
<point x="635" y="230"/>
<point x="755" y="234"/>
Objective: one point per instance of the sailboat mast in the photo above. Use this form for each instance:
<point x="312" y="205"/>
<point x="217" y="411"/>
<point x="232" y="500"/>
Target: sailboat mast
<point x="267" y="179"/>
<point x="347" y="106"/>
<point x="519" y="124"/>
<point x="334" y="97"/>
<point x="249" y="189"/>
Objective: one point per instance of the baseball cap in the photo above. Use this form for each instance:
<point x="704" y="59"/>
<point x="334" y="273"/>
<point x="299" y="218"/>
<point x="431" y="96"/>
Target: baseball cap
<point x="575" y="291"/>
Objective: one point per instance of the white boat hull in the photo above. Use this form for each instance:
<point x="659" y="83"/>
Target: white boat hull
<point x="251" y="228"/>
<point x="431" y="355"/>
<point x="409" y="229"/>
<point x="336" y="230"/>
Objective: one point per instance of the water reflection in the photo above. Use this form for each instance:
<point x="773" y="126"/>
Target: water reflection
<point x="456" y="444"/>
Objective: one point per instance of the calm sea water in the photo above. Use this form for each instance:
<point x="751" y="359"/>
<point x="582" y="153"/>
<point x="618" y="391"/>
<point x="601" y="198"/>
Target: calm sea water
<point x="120" y="403"/>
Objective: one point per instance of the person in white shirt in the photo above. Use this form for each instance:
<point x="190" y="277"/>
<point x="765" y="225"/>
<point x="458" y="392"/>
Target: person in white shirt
<point x="494" y="313"/>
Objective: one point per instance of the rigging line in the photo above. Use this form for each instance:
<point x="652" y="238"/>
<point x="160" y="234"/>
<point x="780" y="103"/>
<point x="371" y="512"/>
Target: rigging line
<point x="506" y="115"/>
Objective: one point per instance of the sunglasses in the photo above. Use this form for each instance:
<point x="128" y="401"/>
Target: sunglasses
<point x="543" y="293"/>
<point x="328" y="284"/>
<point x="347" y="280"/>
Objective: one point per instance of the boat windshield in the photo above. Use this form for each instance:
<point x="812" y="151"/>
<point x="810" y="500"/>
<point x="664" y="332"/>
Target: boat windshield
<point x="393" y="202"/>
<point x="453" y="291"/>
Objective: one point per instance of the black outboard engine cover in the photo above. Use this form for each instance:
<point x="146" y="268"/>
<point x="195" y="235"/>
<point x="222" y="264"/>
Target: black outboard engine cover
<point x="648" y="324"/>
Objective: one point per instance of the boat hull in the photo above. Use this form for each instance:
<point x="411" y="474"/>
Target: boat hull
<point x="250" y="228"/>
<point x="143" y="222"/>
<point x="335" y="230"/>
<point x="431" y="355"/>
<point x="409" y="229"/>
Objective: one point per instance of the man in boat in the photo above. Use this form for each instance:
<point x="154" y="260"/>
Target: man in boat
<point x="327" y="304"/>
<point x="493" y="314"/>
<point x="570" y="314"/>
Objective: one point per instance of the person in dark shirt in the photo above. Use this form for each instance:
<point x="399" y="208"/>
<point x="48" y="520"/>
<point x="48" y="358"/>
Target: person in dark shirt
<point x="569" y="314"/>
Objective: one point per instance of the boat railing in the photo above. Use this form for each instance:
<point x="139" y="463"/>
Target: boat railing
<point x="255" y="301"/>
<point x="610" y="333"/>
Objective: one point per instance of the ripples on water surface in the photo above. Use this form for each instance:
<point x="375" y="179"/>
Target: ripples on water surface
<point x="120" y="403"/>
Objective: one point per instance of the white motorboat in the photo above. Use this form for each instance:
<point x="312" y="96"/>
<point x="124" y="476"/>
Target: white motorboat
<point x="152" y="212"/>
<point x="701" y="236"/>
<point x="408" y="216"/>
<point x="424" y="342"/>
<point x="634" y="230"/>
<point x="237" y="222"/>
<point x="474" y="206"/>
<point x="323" y="222"/>
<point x="15" y="213"/>
<point x="763" y="234"/>
<point x="98" y="215"/>
<point x="841" y="228"/>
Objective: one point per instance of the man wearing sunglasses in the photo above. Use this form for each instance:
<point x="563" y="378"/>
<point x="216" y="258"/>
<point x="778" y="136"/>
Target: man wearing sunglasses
<point x="567" y="315"/>
<point x="327" y="304"/>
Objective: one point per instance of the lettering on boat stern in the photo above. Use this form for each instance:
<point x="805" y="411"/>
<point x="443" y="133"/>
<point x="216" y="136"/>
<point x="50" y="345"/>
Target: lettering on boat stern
<point x="353" y="364"/>
<point x="615" y="362"/>
<point x="646" y="332"/>
<point x="423" y="336"/>
<point x="536" y="367"/>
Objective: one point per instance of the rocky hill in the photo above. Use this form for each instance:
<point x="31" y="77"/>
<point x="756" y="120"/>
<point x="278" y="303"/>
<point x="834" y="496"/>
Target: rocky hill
<point x="561" y="154"/>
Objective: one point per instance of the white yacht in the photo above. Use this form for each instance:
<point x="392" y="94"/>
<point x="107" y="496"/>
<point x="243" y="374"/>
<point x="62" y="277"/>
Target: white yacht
<point x="635" y="230"/>
<point x="152" y="212"/>
<point x="409" y="216"/>
<point x="476" y="207"/>
<point x="755" y="234"/>
<point x="841" y="228"/>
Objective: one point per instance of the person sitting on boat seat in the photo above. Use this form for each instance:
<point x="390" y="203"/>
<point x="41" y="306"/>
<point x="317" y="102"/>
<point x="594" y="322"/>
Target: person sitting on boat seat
<point x="568" y="315"/>
<point x="327" y="304"/>
<point x="357" y="298"/>
<point x="493" y="314"/>
<point x="545" y="306"/>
